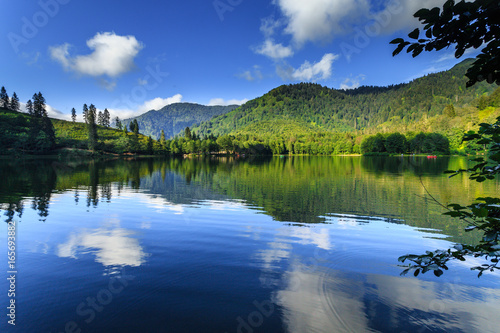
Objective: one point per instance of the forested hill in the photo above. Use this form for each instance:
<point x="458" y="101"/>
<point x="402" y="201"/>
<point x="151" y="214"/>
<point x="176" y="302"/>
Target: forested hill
<point x="174" y="118"/>
<point x="307" y="107"/>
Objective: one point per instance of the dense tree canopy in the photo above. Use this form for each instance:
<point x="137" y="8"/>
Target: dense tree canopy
<point x="463" y="25"/>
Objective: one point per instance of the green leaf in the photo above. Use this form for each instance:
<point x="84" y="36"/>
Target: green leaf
<point x="456" y="206"/>
<point x="480" y="212"/>
<point x="417" y="271"/>
<point x="422" y="13"/>
<point x="397" y="41"/>
<point x="438" y="272"/>
<point x="454" y="214"/>
<point x="490" y="236"/>
<point x="433" y="267"/>
<point x="414" y="34"/>
<point x="398" y="50"/>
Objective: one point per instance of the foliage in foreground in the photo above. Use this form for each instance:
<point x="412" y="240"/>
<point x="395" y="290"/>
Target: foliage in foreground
<point x="484" y="215"/>
<point x="462" y="25"/>
<point x="466" y="25"/>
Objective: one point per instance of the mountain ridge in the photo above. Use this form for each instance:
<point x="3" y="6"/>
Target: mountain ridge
<point x="367" y="109"/>
<point x="174" y="118"/>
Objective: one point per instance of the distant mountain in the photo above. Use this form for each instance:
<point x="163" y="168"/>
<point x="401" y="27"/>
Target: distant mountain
<point x="174" y="118"/>
<point x="307" y="108"/>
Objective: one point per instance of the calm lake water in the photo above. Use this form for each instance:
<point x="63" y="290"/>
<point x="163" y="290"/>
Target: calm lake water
<point x="302" y="244"/>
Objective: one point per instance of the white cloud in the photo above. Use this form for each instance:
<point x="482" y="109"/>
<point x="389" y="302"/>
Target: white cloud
<point x="269" y="25"/>
<point x="142" y="82"/>
<point x="112" y="247"/>
<point x="398" y="14"/>
<point x="247" y="75"/>
<point x="320" y="70"/>
<point x="251" y="75"/>
<point x="112" y="55"/>
<point x="352" y="83"/>
<point x="152" y="104"/>
<point x="319" y="20"/>
<point x="158" y="102"/>
<point x="451" y="55"/>
<point x="31" y="58"/>
<point x="109" y="85"/>
<point x="221" y="101"/>
<point x="52" y="112"/>
<point x="274" y="51"/>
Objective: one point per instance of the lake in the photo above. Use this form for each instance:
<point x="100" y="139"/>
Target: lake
<point x="281" y="244"/>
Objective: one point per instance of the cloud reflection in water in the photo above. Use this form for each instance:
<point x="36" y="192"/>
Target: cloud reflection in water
<point x="112" y="247"/>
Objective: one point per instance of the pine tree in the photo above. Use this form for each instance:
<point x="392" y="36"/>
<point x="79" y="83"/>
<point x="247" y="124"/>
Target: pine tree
<point x="136" y="127"/>
<point x="73" y="114"/>
<point x="150" y="145"/>
<point x="118" y="123"/>
<point x="100" y="119"/>
<point x="85" y="112"/>
<point x="449" y="110"/>
<point x="29" y="107"/>
<point x="187" y="133"/>
<point x="106" y="118"/>
<point x="163" y="142"/>
<point x="4" y="98"/>
<point x="39" y="109"/>
<point x="91" y="127"/>
<point x="42" y="133"/>
<point x="14" y="102"/>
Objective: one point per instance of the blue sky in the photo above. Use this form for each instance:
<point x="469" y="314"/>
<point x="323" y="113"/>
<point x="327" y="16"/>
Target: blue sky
<point x="133" y="56"/>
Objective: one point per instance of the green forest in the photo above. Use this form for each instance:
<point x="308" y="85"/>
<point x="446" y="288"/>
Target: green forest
<point x="429" y="115"/>
<point x="307" y="118"/>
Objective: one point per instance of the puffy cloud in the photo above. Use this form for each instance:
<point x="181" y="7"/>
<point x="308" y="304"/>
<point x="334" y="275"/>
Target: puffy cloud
<point x="113" y="247"/>
<point x="352" y="83"/>
<point x="398" y="14"/>
<point x="158" y="102"/>
<point x="310" y="72"/>
<point x="274" y="51"/>
<point x="321" y="20"/>
<point x="112" y="55"/>
<point x="51" y="111"/>
<point x="269" y="25"/>
<point x="54" y="113"/>
<point x="317" y="20"/>
<point x="221" y="101"/>
<point x="134" y="111"/>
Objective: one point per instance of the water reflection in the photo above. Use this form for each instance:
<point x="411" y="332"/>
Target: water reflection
<point x="319" y="237"/>
<point x="335" y="301"/>
<point x="111" y="247"/>
<point x="332" y="284"/>
<point x="292" y="190"/>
